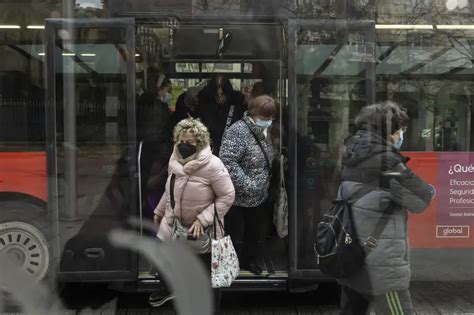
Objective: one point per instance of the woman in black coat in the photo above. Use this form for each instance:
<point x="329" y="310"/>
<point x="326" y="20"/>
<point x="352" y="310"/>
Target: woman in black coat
<point x="219" y="106"/>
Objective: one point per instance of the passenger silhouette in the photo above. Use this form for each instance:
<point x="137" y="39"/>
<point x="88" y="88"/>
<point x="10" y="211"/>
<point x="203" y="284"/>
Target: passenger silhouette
<point x="247" y="152"/>
<point x="219" y="106"/>
<point x="373" y="158"/>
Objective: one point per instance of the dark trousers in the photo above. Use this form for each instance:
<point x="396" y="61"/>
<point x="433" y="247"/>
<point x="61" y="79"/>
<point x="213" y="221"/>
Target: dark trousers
<point x="390" y="303"/>
<point x="247" y="228"/>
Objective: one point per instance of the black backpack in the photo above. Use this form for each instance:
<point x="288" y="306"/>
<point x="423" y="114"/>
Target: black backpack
<point x="338" y="250"/>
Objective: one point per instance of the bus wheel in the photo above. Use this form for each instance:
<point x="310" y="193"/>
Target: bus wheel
<point x="22" y="238"/>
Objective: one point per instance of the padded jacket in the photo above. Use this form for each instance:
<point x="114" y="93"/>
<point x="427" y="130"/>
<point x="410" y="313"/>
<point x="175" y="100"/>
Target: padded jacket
<point x="371" y="160"/>
<point x="199" y="184"/>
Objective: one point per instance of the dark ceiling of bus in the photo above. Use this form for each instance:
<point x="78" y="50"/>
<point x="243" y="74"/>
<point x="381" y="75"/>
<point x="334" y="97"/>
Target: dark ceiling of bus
<point x="247" y="42"/>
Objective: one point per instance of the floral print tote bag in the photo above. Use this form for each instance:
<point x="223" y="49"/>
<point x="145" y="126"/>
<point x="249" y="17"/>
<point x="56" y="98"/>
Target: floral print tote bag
<point x="224" y="262"/>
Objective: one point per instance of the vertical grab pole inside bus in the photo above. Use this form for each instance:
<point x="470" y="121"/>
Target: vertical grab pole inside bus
<point x="69" y="212"/>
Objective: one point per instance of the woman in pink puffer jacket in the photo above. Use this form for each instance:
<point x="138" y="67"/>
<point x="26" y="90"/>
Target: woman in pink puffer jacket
<point x="201" y="180"/>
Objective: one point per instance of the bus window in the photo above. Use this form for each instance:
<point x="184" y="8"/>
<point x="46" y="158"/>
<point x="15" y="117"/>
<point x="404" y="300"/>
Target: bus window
<point x="187" y="67"/>
<point x="222" y="67"/>
<point x="429" y="72"/>
<point x="431" y="77"/>
<point x="333" y="81"/>
<point x="90" y="88"/>
<point x="21" y="90"/>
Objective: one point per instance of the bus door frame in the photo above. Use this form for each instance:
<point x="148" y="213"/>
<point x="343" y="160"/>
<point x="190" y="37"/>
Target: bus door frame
<point x="294" y="25"/>
<point x="57" y="214"/>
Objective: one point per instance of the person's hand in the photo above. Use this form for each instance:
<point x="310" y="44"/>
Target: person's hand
<point x="197" y="229"/>
<point x="157" y="219"/>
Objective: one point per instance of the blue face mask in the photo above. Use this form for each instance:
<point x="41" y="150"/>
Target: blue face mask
<point x="399" y="143"/>
<point x="167" y="98"/>
<point x="263" y="123"/>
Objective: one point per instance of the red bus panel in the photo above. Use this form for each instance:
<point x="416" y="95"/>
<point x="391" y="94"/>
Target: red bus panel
<point x="448" y="222"/>
<point x="24" y="172"/>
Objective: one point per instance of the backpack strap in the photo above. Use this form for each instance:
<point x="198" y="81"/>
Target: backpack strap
<point x="372" y="240"/>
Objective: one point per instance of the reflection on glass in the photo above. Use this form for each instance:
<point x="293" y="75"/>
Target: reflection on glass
<point x="332" y="85"/>
<point x="426" y="70"/>
<point x="93" y="146"/>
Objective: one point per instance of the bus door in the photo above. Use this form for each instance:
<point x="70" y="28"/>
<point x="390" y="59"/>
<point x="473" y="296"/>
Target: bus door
<point x="91" y="144"/>
<point x="192" y="53"/>
<point x="331" y="75"/>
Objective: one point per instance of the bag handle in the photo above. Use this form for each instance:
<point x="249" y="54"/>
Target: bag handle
<point x="230" y="116"/>
<point x="172" y="182"/>
<point x="282" y="171"/>
<point x="221" y="225"/>
<point x="260" y="145"/>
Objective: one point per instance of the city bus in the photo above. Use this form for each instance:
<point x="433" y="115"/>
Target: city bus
<point x="71" y="163"/>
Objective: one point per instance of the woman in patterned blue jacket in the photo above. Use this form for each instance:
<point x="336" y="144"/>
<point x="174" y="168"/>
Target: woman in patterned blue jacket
<point x="247" y="153"/>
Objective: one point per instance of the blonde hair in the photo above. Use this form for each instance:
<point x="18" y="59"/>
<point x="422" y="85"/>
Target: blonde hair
<point x="194" y="127"/>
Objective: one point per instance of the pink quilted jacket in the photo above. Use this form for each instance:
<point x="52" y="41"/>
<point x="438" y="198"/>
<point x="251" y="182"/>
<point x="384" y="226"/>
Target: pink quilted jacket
<point x="199" y="184"/>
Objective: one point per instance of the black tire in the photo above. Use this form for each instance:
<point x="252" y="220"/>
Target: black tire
<point x="25" y="234"/>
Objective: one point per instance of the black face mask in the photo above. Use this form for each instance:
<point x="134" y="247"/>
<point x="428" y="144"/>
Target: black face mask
<point x="186" y="149"/>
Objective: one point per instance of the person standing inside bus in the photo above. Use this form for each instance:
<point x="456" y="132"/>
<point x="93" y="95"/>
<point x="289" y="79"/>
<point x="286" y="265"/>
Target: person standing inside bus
<point x="219" y="106"/>
<point x="154" y="131"/>
<point x="198" y="184"/>
<point x="373" y="158"/>
<point x="247" y="153"/>
<point x="186" y="103"/>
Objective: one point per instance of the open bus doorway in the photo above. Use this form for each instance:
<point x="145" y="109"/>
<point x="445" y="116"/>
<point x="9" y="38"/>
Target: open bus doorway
<point x="192" y="55"/>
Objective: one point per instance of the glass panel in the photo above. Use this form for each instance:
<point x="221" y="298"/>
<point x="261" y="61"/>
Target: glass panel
<point x="94" y="151"/>
<point x="248" y="68"/>
<point x="425" y="68"/>
<point x="222" y="67"/>
<point x="333" y="69"/>
<point x="21" y="90"/>
<point x="429" y="73"/>
<point x="187" y="67"/>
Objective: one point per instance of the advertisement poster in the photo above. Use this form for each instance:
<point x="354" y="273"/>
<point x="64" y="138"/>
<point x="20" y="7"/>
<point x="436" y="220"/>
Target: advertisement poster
<point x="449" y="220"/>
<point x="456" y="197"/>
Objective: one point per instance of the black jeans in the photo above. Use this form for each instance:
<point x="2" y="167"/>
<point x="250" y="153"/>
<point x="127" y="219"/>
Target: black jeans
<point x="247" y="228"/>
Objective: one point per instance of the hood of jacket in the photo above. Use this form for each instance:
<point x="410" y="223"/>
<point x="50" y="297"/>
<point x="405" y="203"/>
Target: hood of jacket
<point x="364" y="145"/>
<point x="367" y="156"/>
